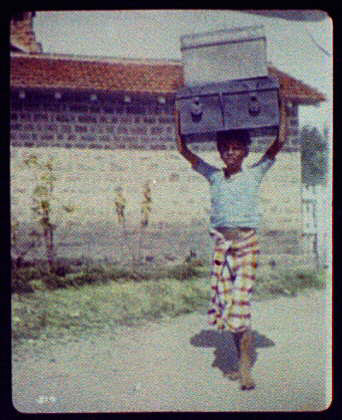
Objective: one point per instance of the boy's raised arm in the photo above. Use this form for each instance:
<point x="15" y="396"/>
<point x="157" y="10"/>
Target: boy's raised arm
<point x="181" y="146"/>
<point x="281" y="137"/>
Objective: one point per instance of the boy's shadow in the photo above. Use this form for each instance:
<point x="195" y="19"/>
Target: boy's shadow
<point x="226" y="358"/>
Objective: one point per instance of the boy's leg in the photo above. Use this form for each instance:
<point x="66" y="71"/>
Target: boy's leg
<point x="245" y="268"/>
<point x="235" y="374"/>
<point x="244" y="347"/>
<point x="243" y="282"/>
<point x="245" y="363"/>
<point x="243" y="342"/>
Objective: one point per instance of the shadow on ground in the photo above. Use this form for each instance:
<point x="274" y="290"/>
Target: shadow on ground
<point x="225" y="352"/>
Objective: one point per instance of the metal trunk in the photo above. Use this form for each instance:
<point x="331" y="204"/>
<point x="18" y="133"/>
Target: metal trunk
<point x="228" y="54"/>
<point x="250" y="104"/>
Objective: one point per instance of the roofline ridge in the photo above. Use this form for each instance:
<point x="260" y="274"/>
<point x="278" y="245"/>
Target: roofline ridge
<point x="98" y="59"/>
<point x="169" y="83"/>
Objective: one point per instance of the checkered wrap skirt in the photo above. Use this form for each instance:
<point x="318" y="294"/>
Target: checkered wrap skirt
<point x="232" y="279"/>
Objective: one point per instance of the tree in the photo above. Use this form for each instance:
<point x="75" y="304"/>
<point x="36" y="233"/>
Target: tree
<point x="314" y="155"/>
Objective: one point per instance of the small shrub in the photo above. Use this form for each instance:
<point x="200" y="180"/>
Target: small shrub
<point x="146" y="205"/>
<point x="120" y="206"/>
<point x="46" y="211"/>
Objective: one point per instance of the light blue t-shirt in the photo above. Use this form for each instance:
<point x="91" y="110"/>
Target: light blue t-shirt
<point x="235" y="200"/>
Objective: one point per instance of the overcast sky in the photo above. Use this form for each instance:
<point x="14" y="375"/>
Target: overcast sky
<point x="156" y="33"/>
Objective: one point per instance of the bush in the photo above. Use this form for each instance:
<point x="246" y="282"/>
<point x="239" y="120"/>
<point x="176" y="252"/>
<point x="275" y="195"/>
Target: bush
<point x="314" y="155"/>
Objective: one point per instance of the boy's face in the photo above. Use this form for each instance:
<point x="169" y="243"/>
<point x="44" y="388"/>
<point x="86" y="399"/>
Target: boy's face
<point x="233" y="153"/>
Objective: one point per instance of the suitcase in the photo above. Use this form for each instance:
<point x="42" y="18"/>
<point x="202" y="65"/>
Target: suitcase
<point x="228" y="54"/>
<point x="250" y="104"/>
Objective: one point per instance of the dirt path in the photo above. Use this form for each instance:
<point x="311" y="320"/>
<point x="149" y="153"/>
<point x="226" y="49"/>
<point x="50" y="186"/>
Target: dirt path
<point x="178" y="365"/>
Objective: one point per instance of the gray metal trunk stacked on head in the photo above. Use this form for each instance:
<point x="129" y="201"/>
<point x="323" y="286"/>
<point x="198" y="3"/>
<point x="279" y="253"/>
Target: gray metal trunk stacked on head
<point x="227" y="86"/>
<point x="239" y="104"/>
<point x="229" y="54"/>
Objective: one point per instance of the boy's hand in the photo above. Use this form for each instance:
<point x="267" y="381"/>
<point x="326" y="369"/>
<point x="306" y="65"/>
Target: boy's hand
<point x="181" y="145"/>
<point x="276" y="146"/>
<point x="179" y="140"/>
<point x="282" y="122"/>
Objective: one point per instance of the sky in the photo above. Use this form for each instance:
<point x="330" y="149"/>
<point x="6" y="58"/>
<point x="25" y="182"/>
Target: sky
<point x="301" y="49"/>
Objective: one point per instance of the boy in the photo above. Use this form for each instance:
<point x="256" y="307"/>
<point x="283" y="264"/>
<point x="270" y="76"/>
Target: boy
<point x="234" y="221"/>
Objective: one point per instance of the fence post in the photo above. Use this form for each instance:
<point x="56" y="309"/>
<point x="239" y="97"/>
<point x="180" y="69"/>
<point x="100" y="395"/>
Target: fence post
<point x="314" y="222"/>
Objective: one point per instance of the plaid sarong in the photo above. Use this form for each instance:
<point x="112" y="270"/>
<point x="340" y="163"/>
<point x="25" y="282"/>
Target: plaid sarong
<point x="232" y="279"/>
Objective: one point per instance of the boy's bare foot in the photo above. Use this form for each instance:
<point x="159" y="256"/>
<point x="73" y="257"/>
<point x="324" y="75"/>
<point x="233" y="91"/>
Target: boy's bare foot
<point x="247" y="384"/>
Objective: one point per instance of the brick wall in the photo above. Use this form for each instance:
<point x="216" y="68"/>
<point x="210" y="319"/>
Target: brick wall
<point x="87" y="121"/>
<point x="76" y="122"/>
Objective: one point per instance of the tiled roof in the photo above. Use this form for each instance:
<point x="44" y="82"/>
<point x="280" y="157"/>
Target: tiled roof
<point x="125" y="75"/>
<point x="295" y="89"/>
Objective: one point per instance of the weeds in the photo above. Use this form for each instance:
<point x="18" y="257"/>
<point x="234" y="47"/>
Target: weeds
<point x="77" y="273"/>
<point x="145" y="210"/>
<point x="34" y="276"/>
<point x="120" y="206"/>
<point x="120" y="202"/>
<point x="146" y="205"/>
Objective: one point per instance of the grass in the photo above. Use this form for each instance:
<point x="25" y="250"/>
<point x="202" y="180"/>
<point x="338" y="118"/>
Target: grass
<point x="80" y="298"/>
<point x="45" y="314"/>
<point x="288" y="282"/>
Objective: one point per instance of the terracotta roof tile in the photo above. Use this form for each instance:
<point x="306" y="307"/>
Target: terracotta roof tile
<point x="44" y="71"/>
<point x="295" y="89"/>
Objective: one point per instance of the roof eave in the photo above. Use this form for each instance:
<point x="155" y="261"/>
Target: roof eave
<point x="64" y="89"/>
<point x="306" y="100"/>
